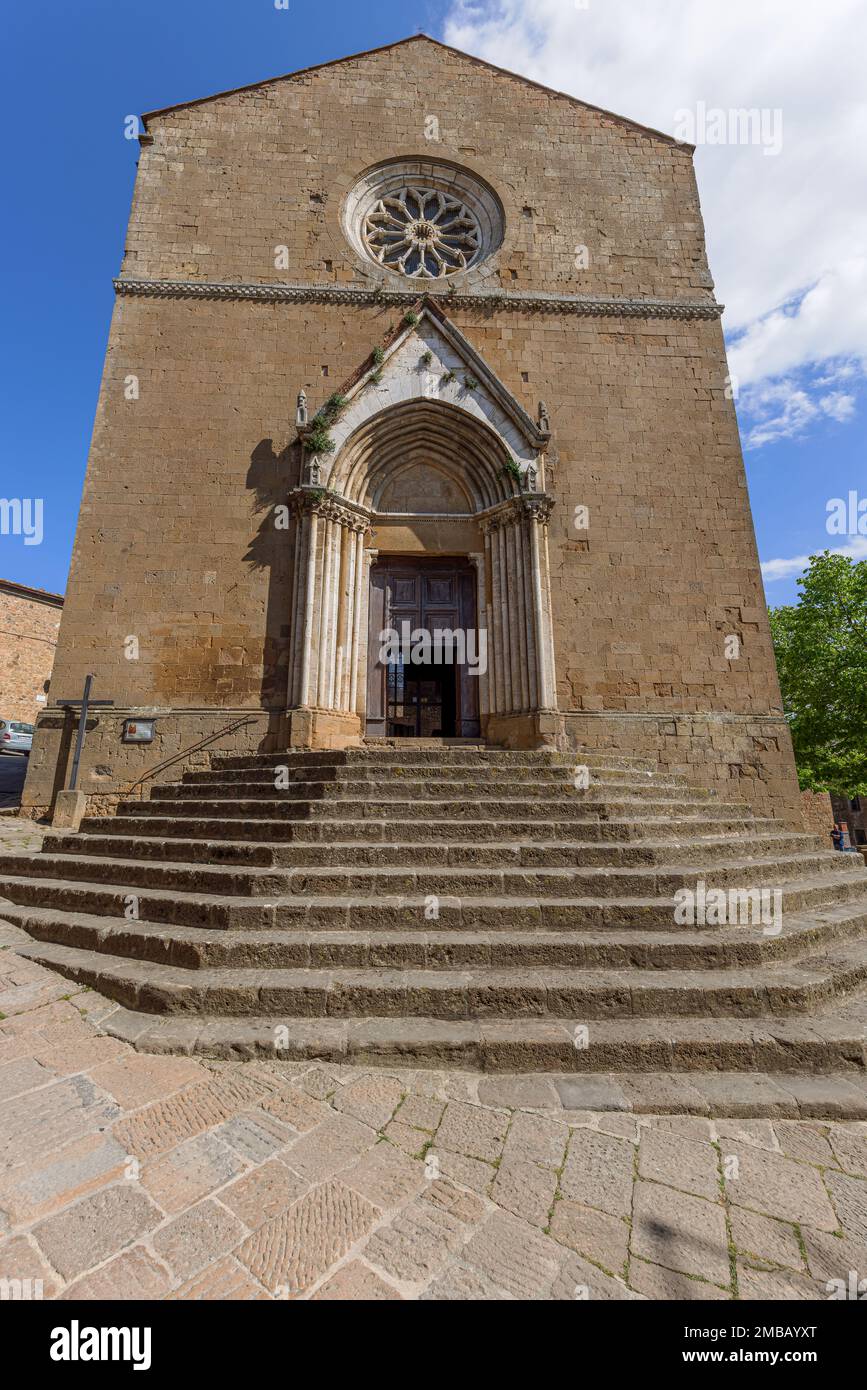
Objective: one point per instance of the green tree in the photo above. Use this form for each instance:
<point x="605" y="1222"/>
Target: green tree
<point x="821" y="650"/>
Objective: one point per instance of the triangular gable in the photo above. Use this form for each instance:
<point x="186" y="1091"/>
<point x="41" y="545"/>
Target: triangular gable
<point x="447" y="48"/>
<point x="426" y="357"/>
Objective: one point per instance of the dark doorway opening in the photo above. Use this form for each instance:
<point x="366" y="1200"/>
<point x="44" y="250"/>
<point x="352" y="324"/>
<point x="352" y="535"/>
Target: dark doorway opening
<point x="422" y="698"/>
<point x="421" y="701"/>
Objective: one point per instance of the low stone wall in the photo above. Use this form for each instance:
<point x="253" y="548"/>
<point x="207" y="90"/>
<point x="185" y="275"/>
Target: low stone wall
<point x="112" y="770"/>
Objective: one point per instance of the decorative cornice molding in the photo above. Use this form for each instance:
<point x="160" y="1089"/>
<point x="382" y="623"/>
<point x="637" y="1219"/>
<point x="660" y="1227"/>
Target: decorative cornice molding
<point x="530" y="301"/>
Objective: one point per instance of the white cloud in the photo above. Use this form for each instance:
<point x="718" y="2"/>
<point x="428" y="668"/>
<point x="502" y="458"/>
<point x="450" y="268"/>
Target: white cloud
<point x="787" y="234"/>
<point x="784" y="410"/>
<point x="786" y="569"/>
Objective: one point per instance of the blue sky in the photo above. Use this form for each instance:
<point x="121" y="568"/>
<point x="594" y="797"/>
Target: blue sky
<point x="74" y="73"/>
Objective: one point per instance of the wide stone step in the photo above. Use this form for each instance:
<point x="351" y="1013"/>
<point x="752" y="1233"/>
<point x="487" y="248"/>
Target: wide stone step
<point x="400" y="912"/>
<point x="267" y="831"/>
<point x="542" y="853"/>
<point x="194" y="948"/>
<point x="453" y="778"/>
<point x="553" y="792"/>
<point x="408" y="754"/>
<point x="428" y="881"/>
<point x="579" y="807"/>
<point x="461" y="994"/>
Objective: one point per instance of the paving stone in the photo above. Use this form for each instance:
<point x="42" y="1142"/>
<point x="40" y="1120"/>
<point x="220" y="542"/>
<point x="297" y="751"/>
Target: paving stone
<point x="621" y="1125"/>
<point x="420" y="1239"/>
<point x="679" y="1162"/>
<point x="319" y="1083"/>
<point x="256" y="1136"/>
<point x="263" y="1194"/>
<point x="833" y="1257"/>
<point x="297" y="1109"/>
<point x="798" y="1139"/>
<point x="21" y="1261"/>
<point x="23" y="1075"/>
<point x="581" y="1281"/>
<point x="43" y="1121"/>
<point x="778" y="1186"/>
<point x="82" y="1055"/>
<point x="37" y="1189"/>
<point x="167" y="1123"/>
<point x="470" y="1130"/>
<point x="371" y="1099"/>
<point x="532" y="1138"/>
<point x="328" y="1148"/>
<point x="849" y="1196"/>
<point x="191" y="1171"/>
<point x="461" y="1282"/>
<point x="133" y="1275"/>
<point x="850" y="1149"/>
<point x="224" y="1281"/>
<point x="470" y="1172"/>
<point x="290" y="1253"/>
<point x="598" y="1172"/>
<point x="197" y="1237"/>
<point x="592" y="1092"/>
<point x="96" y="1228"/>
<point x="680" y="1231"/>
<point x="385" y="1176"/>
<point x="421" y="1112"/>
<point x="409" y="1141"/>
<point x="514" y="1256"/>
<point x="594" y="1234"/>
<point x="525" y="1189"/>
<point x="777" y="1284"/>
<point x="668" y="1284"/>
<point x="771" y="1242"/>
<point x="139" y="1078"/>
<point x="356" y="1281"/>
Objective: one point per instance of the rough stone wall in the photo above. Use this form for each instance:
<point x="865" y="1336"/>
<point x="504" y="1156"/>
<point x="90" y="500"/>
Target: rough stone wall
<point x="176" y="546"/>
<point x="28" y="638"/>
<point x="818" y="814"/>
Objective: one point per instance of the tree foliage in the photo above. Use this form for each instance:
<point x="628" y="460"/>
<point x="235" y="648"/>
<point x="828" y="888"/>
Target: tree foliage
<point x="821" y="649"/>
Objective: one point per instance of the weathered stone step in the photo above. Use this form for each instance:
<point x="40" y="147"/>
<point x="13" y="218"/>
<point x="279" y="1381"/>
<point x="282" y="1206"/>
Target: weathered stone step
<point x="578" y="807"/>
<point x="408" y="754"/>
<point x="401" y="912"/>
<point x="552" y="792"/>
<point x="195" y="948"/>
<point x="655" y="880"/>
<point x="461" y="994"/>
<point x="267" y="831"/>
<point x="451" y="778"/>
<point x="541" y="853"/>
<point x="784" y="1046"/>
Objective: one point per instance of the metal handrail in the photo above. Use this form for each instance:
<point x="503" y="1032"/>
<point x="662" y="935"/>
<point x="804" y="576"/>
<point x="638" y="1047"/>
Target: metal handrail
<point x="194" y="748"/>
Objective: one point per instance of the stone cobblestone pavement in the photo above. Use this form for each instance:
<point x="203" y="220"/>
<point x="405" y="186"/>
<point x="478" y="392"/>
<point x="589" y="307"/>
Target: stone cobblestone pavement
<point x="126" y="1175"/>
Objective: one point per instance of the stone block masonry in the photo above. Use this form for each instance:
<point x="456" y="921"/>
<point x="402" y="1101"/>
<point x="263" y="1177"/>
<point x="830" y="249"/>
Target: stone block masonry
<point x="29" y="620"/>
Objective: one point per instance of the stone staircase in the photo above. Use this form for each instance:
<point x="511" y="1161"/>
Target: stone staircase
<point x="456" y="907"/>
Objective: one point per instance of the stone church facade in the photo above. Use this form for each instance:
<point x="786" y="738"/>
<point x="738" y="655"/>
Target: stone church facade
<point x="407" y="343"/>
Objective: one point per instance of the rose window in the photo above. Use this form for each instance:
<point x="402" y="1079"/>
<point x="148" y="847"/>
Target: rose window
<point x="422" y="219"/>
<point x="422" y="232"/>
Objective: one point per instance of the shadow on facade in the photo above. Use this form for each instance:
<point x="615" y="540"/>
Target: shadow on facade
<point x="270" y="478"/>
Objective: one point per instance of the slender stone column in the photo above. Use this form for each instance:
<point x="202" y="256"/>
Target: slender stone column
<point x="519" y="605"/>
<point x="359" y="578"/>
<point x="324" y="606"/>
<point x="495" y="697"/>
<point x="311" y="528"/>
<point x="477" y="560"/>
<point x="367" y="559"/>
<point x="543" y="638"/>
<point x="527" y="598"/>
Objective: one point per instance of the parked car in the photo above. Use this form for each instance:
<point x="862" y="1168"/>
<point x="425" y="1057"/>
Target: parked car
<point x="15" y="737"/>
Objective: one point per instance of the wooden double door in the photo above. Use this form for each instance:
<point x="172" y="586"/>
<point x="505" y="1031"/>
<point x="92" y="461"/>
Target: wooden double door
<point x="419" y="698"/>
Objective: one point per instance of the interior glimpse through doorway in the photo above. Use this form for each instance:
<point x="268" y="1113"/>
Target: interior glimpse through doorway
<point x="437" y="698"/>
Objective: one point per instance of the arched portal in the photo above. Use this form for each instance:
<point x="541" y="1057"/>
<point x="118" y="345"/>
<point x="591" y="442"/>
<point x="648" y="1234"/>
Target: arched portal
<point x="421" y="515"/>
